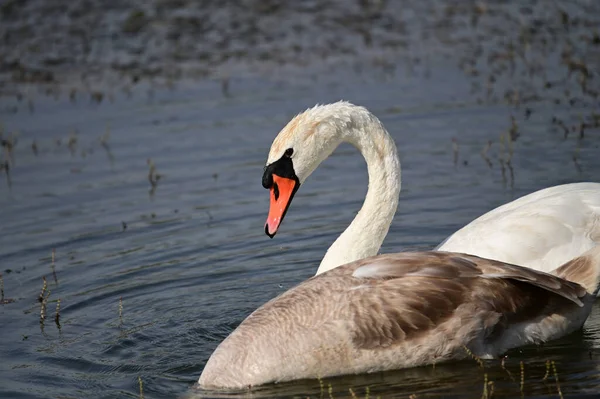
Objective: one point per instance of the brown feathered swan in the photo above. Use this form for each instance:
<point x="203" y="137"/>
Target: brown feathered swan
<point x="390" y="311"/>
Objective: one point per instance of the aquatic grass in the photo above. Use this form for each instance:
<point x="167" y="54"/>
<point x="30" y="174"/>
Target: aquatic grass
<point x="141" y="385"/>
<point x="5" y="166"/>
<point x="560" y="394"/>
<point x="489" y="388"/>
<point x="455" y="151"/>
<point x="9" y="143"/>
<point x="322" y="386"/>
<point x="57" y="314"/>
<point x="513" y="135"/>
<point x="503" y="366"/>
<point x="106" y="146"/>
<point x="489" y="385"/>
<point x="484" y="153"/>
<point x="522" y="385"/>
<point x="547" y="370"/>
<point x="43" y="305"/>
<point x="43" y="300"/>
<point x="474" y="357"/>
<point x="52" y="265"/>
<point x="505" y="156"/>
<point x="153" y="175"/>
<point x="486" y="394"/>
<point x="44" y="288"/>
<point x="350" y="391"/>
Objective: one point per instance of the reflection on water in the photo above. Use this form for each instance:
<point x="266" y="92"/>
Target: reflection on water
<point x="152" y="273"/>
<point x="500" y="378"/>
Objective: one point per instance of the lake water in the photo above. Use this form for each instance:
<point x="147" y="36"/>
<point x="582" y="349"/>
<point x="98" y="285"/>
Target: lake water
<point x="150" y="280"/>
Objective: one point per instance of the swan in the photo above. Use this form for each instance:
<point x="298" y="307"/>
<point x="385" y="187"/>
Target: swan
<point x="376" y="313"/>
<point x="403" y="310"/>
<point x="541" y="230"/>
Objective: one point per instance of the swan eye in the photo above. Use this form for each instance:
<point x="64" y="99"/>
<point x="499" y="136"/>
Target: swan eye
<point x="288" y="153"/>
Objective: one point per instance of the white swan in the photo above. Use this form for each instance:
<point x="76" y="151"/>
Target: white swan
<point x="390" y="311"/>
<point x="541" y="230"/>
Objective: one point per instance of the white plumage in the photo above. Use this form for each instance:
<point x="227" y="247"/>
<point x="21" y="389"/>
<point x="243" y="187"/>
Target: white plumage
<point x="541" y="230"/>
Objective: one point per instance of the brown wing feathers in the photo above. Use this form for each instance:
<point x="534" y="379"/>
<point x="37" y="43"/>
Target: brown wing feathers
<point x="403" y="309"/>
<point x="393" y="298"/>
<point x="420" y="291"/>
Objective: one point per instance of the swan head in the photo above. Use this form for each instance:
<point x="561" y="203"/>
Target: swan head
<point x="306" y="141"/>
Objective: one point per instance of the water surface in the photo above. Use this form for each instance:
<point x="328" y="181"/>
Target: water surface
<point x="150" y="280"/>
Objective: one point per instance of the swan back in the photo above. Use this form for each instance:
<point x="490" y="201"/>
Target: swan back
<point x="396" y="311"/>
<point x="541" y="230"/>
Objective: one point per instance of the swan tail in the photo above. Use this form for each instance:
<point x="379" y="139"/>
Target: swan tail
<point x="583" y="270"/>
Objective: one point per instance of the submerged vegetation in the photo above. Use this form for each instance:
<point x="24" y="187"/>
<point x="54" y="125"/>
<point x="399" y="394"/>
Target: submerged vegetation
<point x="537" y="378"/>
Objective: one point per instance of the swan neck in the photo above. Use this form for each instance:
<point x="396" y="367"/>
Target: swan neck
<point x="365" y="235"/>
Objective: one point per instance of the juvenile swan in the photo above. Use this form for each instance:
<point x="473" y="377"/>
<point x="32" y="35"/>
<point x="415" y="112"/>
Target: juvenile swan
<point x="403" y="310"/>
<point x="389" y="311"/>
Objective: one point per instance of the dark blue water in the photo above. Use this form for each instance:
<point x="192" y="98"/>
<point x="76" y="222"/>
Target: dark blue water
<point x="150" y="280"/>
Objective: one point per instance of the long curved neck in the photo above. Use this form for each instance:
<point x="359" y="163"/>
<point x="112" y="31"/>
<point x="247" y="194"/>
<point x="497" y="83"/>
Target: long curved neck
<point x="367" y="231"/>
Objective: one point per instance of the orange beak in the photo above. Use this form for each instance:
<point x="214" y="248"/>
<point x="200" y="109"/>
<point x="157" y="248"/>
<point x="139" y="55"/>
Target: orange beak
<point x="282" y="191"/>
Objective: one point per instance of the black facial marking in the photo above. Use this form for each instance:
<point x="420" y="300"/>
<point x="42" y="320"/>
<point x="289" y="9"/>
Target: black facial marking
<point x="283" y="167"/>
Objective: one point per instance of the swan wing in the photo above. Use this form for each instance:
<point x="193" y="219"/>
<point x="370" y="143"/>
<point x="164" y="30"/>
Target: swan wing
<point x="405" y="296"/>
<point x="541" y="230"/>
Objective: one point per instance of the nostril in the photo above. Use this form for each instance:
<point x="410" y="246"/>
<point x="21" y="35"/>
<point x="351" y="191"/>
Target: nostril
<point x="276" y="191"/>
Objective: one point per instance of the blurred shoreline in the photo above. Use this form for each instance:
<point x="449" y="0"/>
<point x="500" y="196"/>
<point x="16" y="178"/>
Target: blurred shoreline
<point x="87" y="45"/>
